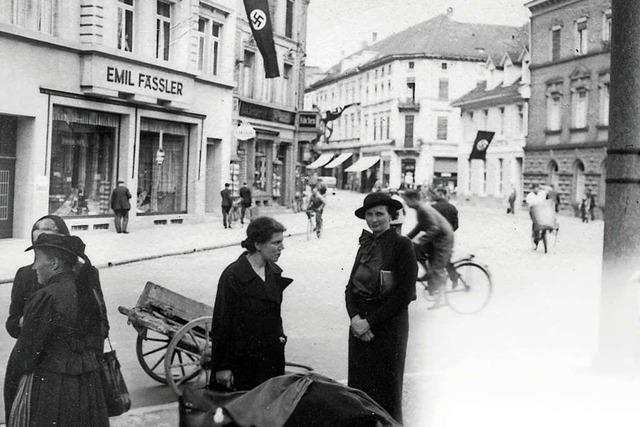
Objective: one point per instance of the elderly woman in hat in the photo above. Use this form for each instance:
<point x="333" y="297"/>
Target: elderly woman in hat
<point x="380" y="288"/>
<point x="60" y="342"/>
<point x="25" y="284"/>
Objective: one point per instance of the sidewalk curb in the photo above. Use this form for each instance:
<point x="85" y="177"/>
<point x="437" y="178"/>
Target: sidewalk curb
<point x="108" y="264"/>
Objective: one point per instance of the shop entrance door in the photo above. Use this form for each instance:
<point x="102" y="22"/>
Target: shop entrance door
<point x="7" y="174"/>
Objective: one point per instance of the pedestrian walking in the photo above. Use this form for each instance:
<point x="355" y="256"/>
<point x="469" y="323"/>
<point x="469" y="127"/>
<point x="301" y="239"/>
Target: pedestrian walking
<point x="446" y="209"/>
<point x="226" y="204"/>
<point x="247" y="335"/>
<point x="245" y="200"/>
<point x="512" y="201"/>
<point x="60" y="342"/>
<point x="381" y="286"/>
<point x="592" y="205"/>
<point x="585" y="207"/>
<point x="120" y="204"/>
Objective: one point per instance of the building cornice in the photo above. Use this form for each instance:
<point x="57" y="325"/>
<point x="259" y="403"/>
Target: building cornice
<point x="534" y="67"/>
<point x="565" y="146"/>
<point x="490" y="100"/>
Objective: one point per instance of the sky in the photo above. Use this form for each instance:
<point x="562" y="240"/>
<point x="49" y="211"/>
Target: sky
<point x="339" y="27"/>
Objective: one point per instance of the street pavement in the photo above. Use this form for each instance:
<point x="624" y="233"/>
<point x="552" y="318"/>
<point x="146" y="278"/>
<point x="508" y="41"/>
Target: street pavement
<point x="526" y="359"/>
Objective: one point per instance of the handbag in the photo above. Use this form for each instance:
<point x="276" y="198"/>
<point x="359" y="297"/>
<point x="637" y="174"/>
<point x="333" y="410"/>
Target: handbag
<point x="115" y="389"/>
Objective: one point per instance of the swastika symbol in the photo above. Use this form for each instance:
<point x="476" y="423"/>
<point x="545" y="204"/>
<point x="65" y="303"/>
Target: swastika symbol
<point x="483" y="144"/>
<point x="258" y="19"/>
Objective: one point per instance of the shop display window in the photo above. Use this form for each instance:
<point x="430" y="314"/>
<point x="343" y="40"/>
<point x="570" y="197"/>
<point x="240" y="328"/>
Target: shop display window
<point x="260" y="167"/>
<point x="83" y="151"/>
<point x="162" y="186"/>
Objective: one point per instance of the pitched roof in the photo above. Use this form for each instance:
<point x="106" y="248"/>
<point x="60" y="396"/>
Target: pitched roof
<point x="480" y="93"/>
<point x="443" y="37"/>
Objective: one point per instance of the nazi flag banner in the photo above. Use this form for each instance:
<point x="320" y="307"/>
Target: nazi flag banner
<point x="260" y="23"/>
<point x="480" y="145"/>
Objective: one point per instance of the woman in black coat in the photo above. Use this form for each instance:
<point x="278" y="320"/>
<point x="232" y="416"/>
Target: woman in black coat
<point x="378" y="305"/>
<point x="26" y="284"/>
<point x="61" y="340"/>
<point x="247" y="335"/>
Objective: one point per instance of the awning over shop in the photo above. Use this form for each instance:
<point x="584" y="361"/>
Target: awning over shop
<point x="338" y="160"/>
<point x="363" y="163"/>
<point x="320" y="161"/>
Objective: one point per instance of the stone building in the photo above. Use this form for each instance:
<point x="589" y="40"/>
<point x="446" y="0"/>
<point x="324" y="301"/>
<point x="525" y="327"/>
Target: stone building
<point x="569" y="105"/>
<point x="403" y="130"/>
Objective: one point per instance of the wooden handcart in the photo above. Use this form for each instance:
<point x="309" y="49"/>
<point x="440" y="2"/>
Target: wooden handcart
<point x="174" y="345"/>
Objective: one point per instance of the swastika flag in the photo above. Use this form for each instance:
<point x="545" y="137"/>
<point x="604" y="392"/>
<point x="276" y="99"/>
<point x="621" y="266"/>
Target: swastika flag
<point x="480" y="145"/>
<point x="260" y="23"/>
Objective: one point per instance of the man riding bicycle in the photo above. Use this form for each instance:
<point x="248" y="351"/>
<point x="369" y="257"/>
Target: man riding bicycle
<point x="316" y="206"/>
<point x="435" y="243"/>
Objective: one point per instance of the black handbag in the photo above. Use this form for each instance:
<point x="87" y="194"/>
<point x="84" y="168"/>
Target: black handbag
<point x="115" y="390"/>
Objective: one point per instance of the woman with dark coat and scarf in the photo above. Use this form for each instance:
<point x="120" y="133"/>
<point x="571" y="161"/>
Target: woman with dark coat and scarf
<point x="26" y="284"/>
<point x="247" y="335"/>
<point x="60" y="342"/>
<point x="380" y="288"/>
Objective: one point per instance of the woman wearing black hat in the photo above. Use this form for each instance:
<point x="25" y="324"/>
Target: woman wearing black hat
<point x="380" y="288"/>
<point x="59" y="343"/>
<point x="25" y="284"/>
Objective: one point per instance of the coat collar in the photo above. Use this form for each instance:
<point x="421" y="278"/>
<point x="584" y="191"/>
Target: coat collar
<point x="245" y="272"/>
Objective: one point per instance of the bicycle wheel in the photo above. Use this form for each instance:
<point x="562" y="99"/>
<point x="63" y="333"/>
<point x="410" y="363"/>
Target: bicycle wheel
<point x="470" y="291"/>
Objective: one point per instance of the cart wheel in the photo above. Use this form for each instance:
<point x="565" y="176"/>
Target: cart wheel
<point x="151" y="348"/>
<point x="188" y="355"/>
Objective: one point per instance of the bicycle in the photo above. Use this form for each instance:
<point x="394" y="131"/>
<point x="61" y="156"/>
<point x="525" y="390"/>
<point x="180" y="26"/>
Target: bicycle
<point x="234" y="213"/>
<point x="467" y="290"/>
<point x="312" y="225"/>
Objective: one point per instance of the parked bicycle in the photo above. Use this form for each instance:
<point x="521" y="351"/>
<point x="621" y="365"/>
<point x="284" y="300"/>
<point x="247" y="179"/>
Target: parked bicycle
<point x="467" y="290"/>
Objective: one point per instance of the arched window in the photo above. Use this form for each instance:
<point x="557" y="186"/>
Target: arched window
<point x="552" y="172"/>
<point x="578" y="181"/>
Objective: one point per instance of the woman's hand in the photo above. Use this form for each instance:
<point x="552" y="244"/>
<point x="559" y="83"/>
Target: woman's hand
<point x="225" y="378"/>
<point x="367" y="336"/>
<point x="359" y="326"/>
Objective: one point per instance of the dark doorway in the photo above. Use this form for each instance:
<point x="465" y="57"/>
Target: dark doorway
<point x="8" y="135"/>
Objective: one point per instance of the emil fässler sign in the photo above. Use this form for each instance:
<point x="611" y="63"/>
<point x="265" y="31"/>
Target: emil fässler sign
<point x="139" y="79"/>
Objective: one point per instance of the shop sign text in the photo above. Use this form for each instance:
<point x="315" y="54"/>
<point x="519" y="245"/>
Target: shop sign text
<point x="142" y="80"/>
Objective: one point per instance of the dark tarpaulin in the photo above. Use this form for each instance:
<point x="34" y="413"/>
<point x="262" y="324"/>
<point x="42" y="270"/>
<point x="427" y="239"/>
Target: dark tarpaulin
<point x="289" y="400"/>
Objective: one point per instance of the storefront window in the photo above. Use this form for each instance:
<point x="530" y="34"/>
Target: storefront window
<point x="83" y="148"/>
<point x="260" y="170"/>
<point x="162" y="187"/>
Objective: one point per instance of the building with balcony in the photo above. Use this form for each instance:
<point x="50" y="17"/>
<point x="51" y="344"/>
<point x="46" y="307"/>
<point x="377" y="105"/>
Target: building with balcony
<point x="403" y="130"/>
<point x="270" y="163"/>
<point x="498" y="104"/>
<point x="569" y="105"/>
<point x="97" y="91"/>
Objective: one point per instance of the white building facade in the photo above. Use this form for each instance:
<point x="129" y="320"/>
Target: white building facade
<point x="403" y="122"/>
<point x="499" y="105"/>
<point x="98" y="91"/>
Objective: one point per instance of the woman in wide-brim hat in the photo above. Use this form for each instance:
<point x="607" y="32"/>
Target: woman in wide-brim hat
<point x="380" y="288"/>
<point x="60" y="342"/>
